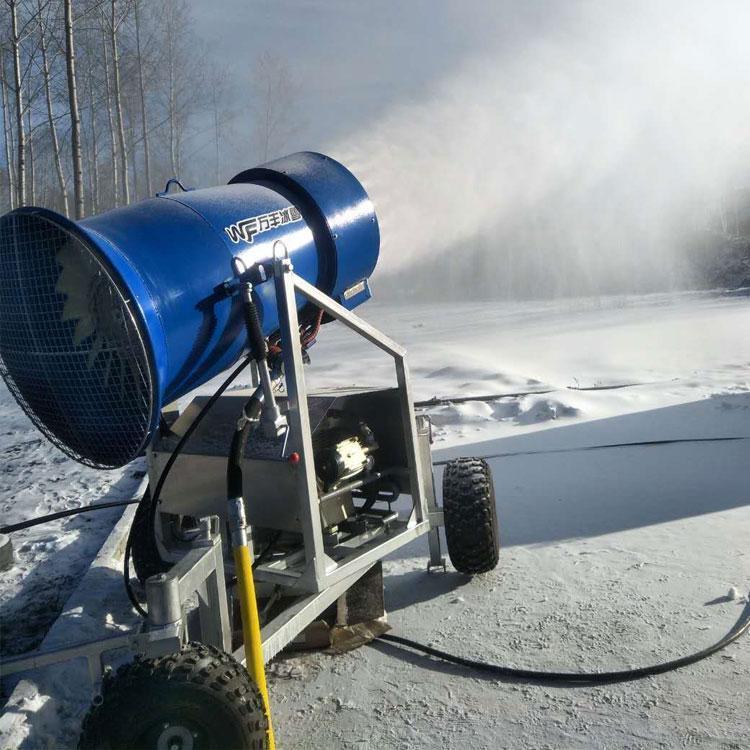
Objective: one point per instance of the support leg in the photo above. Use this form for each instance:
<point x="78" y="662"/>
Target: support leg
<point x="436" y="556"/>
<point x="434" y="513"/>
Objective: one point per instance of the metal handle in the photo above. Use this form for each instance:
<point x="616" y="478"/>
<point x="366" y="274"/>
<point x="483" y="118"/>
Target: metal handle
<point x="173" y="181"/>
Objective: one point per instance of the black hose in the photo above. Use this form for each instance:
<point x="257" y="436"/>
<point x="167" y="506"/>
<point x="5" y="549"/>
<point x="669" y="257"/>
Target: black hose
<point x="252" y="409"/>
<point x="647" y="443"/>
<point x="153" y="498"/>
<point x="577" y="678"/>
<point x="265" y="553"/>
<point x="255" y="339"/>
<point x="126" y="577"/>
<point x="443" y="400"/>
<point x="251" y="413"/>
<point x="63" y="514"/>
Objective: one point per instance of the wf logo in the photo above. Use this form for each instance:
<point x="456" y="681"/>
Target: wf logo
<point x="246" y="229"/>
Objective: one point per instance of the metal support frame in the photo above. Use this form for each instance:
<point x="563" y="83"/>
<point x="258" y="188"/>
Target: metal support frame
<point x="201" y="572"/>
<point x="95" y="652"/>
<point x="282" y="629"/>
<point x="321" y="571"/>
<point x="424" y="428"/>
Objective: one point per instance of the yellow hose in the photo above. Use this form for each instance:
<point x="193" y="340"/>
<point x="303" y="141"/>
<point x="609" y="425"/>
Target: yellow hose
<point x="251" y="630"/>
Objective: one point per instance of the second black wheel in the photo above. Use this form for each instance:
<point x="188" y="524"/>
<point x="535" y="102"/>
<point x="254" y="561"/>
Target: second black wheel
<point x="471" y="527"/>
<point x="197" y="699"/>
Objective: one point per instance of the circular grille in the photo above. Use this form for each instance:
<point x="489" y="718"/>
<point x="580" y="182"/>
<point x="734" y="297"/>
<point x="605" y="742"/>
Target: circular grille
<point x="71" y="352"/>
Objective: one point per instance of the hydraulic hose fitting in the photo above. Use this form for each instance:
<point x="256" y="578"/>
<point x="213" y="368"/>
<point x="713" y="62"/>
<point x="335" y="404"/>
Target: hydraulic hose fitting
<point x="237" y="522"/>
<point x="255" y="338"/>
<point x="272" y="420"/>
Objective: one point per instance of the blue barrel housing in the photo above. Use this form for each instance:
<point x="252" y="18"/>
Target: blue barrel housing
<point x="106" y="320"/>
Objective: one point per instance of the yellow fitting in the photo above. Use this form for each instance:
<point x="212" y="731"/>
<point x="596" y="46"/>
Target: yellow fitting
<point x="251" y="630"/>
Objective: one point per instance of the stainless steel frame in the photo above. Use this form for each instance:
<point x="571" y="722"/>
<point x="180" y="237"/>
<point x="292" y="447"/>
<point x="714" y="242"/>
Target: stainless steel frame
<point x="200" y="572"/>
<point x="320" y="571"/>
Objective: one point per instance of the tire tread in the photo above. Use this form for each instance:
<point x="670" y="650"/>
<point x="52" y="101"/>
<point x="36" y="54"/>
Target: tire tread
<point x="130" y="693"/>
<point x="471" y="526"/>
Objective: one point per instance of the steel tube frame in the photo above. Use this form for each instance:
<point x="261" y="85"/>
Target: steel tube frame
<point x="200" y="571"/>
<point x="321" y="571"/>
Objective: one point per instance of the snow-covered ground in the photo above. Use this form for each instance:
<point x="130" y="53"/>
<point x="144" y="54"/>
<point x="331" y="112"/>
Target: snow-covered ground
<point x="36" y="479"/>
<point x="611" y="557"/>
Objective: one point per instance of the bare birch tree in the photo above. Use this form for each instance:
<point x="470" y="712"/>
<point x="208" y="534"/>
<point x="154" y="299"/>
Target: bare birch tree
<point x="8" y="134"/>
<point x="114" y="24"/>
<point x="75" y="119"/>
<point x="15" y="41"/>
<point x="111" y="122"/>
<point x="173" y="114"/>
<point x="31" y="182"/>
<point x="220" y="113"/>
<point x="142" y="96"/>
<point x="93" y="140"/>
<point x="57" y="156"/>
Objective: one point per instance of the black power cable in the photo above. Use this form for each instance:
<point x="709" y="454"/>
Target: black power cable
<point x="153" y="498"/>
<point x="445" y="400"/>
<point x="634" y="444"/>
<point x="265" y="553"/>
<point x="577" y="678"/>
<point x="63" y="514"/>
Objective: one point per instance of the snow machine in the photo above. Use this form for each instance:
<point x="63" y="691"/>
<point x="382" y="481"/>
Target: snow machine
<point x="268" y="508"/>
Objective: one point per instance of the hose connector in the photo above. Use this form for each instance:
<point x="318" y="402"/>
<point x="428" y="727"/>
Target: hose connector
<point x="273" y="422"/>
<point x="255" y="339"/>
<point x="237" y="522"/>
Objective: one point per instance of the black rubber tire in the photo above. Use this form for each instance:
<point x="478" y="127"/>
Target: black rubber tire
<point x="147" y="561"/>
<point x="471" y="528"/>
<point x="201" y="694"/>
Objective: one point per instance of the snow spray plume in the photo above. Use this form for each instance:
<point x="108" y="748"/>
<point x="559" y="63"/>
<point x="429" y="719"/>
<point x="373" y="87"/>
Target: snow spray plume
<point x="580" y="166"/>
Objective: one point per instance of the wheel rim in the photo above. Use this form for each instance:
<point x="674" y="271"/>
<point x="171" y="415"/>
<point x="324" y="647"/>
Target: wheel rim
<point x="175" y="737"/>
<point x="176" y="734"/>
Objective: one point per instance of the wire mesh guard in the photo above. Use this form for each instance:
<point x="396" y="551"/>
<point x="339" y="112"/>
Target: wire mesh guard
<point x="71" y="352"/>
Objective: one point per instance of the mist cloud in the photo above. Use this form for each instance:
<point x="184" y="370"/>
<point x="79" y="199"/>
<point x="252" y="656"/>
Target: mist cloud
<point x="583" y="157"/>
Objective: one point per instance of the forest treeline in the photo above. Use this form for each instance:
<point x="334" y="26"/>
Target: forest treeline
<point x="104" y="100"/>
